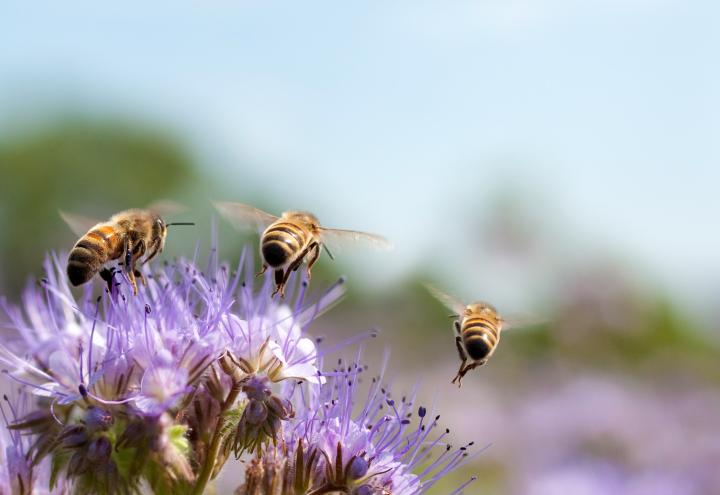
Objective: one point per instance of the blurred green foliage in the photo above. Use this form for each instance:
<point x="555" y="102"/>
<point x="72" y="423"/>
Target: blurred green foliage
<point x="81" y="166"/>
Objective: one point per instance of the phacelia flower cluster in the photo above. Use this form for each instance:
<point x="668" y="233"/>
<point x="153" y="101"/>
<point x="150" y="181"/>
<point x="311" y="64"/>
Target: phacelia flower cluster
<point x="123" y="393"/>
<point x="347" y="441"/>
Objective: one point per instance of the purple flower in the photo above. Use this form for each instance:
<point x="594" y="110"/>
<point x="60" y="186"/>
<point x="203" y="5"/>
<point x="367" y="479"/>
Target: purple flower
<point x="113" y="346"/>
<point x="267" y="345"/>
<point x="125" y="387"/>
<point x="271" y="337"/>
<point x="597" y="477"/>
<point x="18" y="474"/>
<point x="162" y="386"/>
<point x="388" y="447"/>
<point x="158" y="389"/>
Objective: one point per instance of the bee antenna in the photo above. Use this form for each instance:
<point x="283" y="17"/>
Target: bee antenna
<point x="453" y="316"/>
<point x="328" y="251"/>
<point x="179" y="223"/>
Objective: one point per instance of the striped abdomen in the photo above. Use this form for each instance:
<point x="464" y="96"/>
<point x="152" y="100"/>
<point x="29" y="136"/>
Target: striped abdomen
<point x="480" y="337"/>
<point x="91" y="252"/>
<point x="282" y="242"/>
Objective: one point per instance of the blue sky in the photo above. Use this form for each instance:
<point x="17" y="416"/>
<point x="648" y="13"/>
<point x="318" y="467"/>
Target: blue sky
<point x="416" y="115"/>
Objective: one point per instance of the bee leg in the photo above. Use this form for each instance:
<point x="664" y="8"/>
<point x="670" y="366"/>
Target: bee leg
<point x="128" y="264"/>
<point x="460" y="374"/>
<point x="456" y="323"/>
<point x="293" y="267"/>
<point x="132" y="253"/>
<point x="461" y="349"/>
<point x="153" y="251"/>
<point x="464" y="369"/>
<point x="463" y="357"/>
<point x="314" y="255"/>
<point x="264" y="269"/>
<point x="107" y="275"/>
<point x="137" y="253"/>
<point x="279" y="284"/>
<point x="133" y="282"/>
<point x="127" y="253"/>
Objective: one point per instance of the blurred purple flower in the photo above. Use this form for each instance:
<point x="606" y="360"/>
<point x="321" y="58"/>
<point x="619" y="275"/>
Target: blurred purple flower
<point x="561" y="421"/>
<point x="602" y="477"/>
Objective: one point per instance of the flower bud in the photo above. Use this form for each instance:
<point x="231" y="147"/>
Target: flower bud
<point x="280" y="407"/>
<point x="74" y="436"/>
<point x="358" y="468"/>
<point x="257" y="388"/>
<point x="99" y="450"/>
<point x="364" y="490"/>
<point x="256" y="412"/>
<point x="97" y="419"/>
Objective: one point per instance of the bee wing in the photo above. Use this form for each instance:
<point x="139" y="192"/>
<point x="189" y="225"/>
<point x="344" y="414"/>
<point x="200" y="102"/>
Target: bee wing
<point x="336" y="237"/>
<point x="79" y="224"/>
<point x="244" y="216"/>
<point x="451" y="302"/>
<point x="521" y="321"/>
<point x="165" y="207"/>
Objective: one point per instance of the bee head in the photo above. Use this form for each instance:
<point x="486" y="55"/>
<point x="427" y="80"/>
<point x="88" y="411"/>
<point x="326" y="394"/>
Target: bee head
<point x="484" y="310"/>
<point x="304" y="217"/>
<point x="159" y="230"/>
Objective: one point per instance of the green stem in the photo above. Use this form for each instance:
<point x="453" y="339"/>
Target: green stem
<point x="215" y="444"/>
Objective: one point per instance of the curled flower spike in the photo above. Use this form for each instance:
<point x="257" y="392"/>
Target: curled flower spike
<point x="262" y="417"/>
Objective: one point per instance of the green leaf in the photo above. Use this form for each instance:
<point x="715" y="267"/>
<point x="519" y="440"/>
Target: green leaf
<point x="178" y="438"/>
<point x="231" y="419"/>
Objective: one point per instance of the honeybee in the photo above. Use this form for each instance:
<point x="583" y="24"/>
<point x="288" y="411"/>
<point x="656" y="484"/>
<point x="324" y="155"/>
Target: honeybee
<point x="291" y="239"/>
<point x="477" y="328"/>
<point x="131" y="236"/>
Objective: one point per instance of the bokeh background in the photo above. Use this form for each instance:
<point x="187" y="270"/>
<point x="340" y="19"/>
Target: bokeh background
<point x="559" y="159"/>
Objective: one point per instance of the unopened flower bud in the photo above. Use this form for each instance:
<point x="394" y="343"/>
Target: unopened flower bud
<point x="99" y="450"/>
<point x="358" y="468"/>
<point x="98" y="419"/>
<point x="363" y="490"/>
<point x="257" y="388"/>
<point x="256" y="412"/>
<point x="74" y="436"/>
<point x="281" y="407"/>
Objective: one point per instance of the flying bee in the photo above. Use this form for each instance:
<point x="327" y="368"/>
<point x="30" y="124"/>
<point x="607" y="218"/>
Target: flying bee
<point x="131" y="237"/>
<point x="477" y="328"/>
<point x="291" y="239"/>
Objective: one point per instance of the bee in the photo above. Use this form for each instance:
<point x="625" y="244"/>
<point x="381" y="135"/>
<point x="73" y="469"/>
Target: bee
<point x="291" y="239"/>
<point x="131" y="237"/>
<point x="477" y="328"/>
